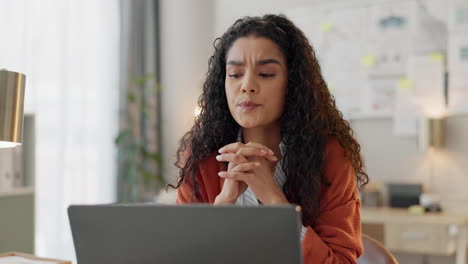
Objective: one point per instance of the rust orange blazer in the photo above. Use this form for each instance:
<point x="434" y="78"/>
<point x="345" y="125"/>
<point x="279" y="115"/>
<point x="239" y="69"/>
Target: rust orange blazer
<point x="336" y="235"/>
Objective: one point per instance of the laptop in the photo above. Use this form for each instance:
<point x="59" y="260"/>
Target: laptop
<point x="195" y="233"/>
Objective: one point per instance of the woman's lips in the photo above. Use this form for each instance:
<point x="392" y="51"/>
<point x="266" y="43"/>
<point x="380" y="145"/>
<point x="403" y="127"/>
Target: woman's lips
<point x="247" y="106"/>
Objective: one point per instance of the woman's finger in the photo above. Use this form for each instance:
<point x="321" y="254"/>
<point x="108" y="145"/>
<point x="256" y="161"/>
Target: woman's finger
<point x="260" y="146"/>
<point x="243" y="153"/>
<point x="234" y="147"/>
<point x="235" y="175"/>
<point x="254" y="151"/>
<point x="245" y="167"/>
<point x="231" y="157"/>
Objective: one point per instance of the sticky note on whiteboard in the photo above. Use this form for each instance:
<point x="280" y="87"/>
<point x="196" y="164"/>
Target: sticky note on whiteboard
<point x="368" y="60"/>
<point x="436" y="56"/>
<point x="326" y="27"/>
<point x="404" y="84"/>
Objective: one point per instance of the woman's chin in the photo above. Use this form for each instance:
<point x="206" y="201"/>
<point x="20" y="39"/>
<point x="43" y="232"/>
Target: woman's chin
<point x="250" y="124"/>
<point x="247" y="124"/>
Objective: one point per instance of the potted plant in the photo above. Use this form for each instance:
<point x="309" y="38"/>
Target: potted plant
<point x="140" y="163"/>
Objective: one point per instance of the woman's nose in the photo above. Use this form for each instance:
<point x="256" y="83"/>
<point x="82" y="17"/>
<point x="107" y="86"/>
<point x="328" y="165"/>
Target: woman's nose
<point x="249" y="85"/>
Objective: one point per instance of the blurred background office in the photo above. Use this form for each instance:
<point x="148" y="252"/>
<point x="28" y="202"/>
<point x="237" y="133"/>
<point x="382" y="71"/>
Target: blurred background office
<point x="113" y="85"/>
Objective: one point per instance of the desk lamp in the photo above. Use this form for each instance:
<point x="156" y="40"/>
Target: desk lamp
<point x="11" y="108"/>
<point x="431" y="133"/>
<point x="430" y="138"/>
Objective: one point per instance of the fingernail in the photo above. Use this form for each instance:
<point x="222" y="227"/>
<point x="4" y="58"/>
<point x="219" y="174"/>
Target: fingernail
<point x="275" y="158"/>
<point x="263" y="151"/>
<point x="221" y="150"/>
<point x="257" y="164"/>
<point x="221" y="173"/>
<point x="271" y="152"/>
<point x="218" y="157"/>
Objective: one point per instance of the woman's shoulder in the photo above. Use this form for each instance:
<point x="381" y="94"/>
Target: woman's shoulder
<point x="337" y="166"/>
<point x="340" y="178"/>
<point x="333" y="148"/>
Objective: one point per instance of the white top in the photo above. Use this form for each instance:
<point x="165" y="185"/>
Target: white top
<point x="248" y="198"/>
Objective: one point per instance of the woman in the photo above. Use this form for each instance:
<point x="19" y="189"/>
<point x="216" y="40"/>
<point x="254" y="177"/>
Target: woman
<point x="269" y="133"/>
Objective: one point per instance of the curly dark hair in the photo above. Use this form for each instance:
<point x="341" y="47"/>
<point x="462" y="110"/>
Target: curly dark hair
<point x="310" y="115"/>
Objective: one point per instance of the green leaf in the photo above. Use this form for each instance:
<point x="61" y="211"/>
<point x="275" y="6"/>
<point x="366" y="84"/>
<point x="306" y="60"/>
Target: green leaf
<point x="131" y="97"/>
<point x="143" y="79"/>
<point x="154" y="156"/>
<point x="122" y="136"/>
<point x="146" y="174"/>
<point x="158" y="87"/>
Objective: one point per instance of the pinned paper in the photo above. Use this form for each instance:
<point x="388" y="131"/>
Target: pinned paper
<point x="326" y="27"/>
<point x="368" y="60"/>
<point x="436" y="56"/>
<point x="427" y="86"/>
<point x="404" y="84"/>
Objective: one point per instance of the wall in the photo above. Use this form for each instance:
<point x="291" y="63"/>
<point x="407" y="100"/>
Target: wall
<point x="186" y="45"/>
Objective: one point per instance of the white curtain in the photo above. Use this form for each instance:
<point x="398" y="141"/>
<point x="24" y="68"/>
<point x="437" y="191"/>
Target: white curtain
<point x="69" y="50"/>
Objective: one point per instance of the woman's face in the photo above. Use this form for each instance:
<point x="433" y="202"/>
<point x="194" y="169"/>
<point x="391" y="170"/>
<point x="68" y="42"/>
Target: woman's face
<point x="256" y="81"/>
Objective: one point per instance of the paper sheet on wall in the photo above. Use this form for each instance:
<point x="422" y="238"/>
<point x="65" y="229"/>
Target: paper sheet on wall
<point x="346" y="88"/>
<point x="390" y="36"/>
<point x="426" y="73"/>
<point x="458" y="16"/>
<point x="421" y="93"/>
<point x="431" y="31"/>
<point x="308" y="19"/>
<point x="458" y="69"/>
<point x="405" y="116"/>
<point x="378" y="97"/>
<point x="337" y="35"/>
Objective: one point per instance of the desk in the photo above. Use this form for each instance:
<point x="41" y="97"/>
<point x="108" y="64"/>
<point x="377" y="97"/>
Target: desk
<point x="432" y="233"/>
<point x="27" y="258"/>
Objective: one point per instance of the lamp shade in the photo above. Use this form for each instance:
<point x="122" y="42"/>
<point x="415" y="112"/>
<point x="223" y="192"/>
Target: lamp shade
<point x="431" y="133"/>
<point x="11" y="108"/>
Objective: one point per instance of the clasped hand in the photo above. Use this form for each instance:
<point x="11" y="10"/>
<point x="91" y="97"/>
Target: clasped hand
<point x="249" y="165"/>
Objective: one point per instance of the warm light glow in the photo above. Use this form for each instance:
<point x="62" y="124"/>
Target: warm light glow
<point x="435" y="112"/>
<point x="7" y="144"/>
<point x="197" y="111"/>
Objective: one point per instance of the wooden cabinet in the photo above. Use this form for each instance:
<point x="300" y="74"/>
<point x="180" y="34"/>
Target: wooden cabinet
<point x="419" y="238"/>
<point x="17" y="221"/>
<point x="431" y="234"/>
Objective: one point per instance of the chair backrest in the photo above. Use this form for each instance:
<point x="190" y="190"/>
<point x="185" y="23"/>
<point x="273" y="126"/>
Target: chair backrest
<point x="375" y="252"/>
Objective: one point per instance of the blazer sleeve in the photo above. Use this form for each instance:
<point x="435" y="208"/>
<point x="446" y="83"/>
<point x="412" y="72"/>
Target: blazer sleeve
<point x="335" y="237"/>
<point x="207" y="180"/>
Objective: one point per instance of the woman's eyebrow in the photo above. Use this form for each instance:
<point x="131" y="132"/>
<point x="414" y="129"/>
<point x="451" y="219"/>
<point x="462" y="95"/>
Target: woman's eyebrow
<point x="260" y="62"/>
<point x="267" y="61"/>
<point x="235" y="63"/>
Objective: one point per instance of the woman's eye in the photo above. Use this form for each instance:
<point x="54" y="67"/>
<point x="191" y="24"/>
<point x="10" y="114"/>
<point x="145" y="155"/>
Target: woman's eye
<point x="266" y="75"/>
<point x="234" y="75"/>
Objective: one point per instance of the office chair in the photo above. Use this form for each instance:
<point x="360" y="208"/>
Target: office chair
<point x="375" y="252"/>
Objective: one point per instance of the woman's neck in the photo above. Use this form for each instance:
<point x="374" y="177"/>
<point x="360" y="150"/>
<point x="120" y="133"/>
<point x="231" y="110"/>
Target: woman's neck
<point x="270" y="136"/>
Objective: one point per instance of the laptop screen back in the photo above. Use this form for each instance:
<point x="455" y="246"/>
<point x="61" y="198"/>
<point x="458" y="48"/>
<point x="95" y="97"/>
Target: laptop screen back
<point x="206" y="234"/>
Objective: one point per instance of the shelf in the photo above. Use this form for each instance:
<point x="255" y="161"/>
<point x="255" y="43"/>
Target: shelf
<point x="17" y="191"/>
